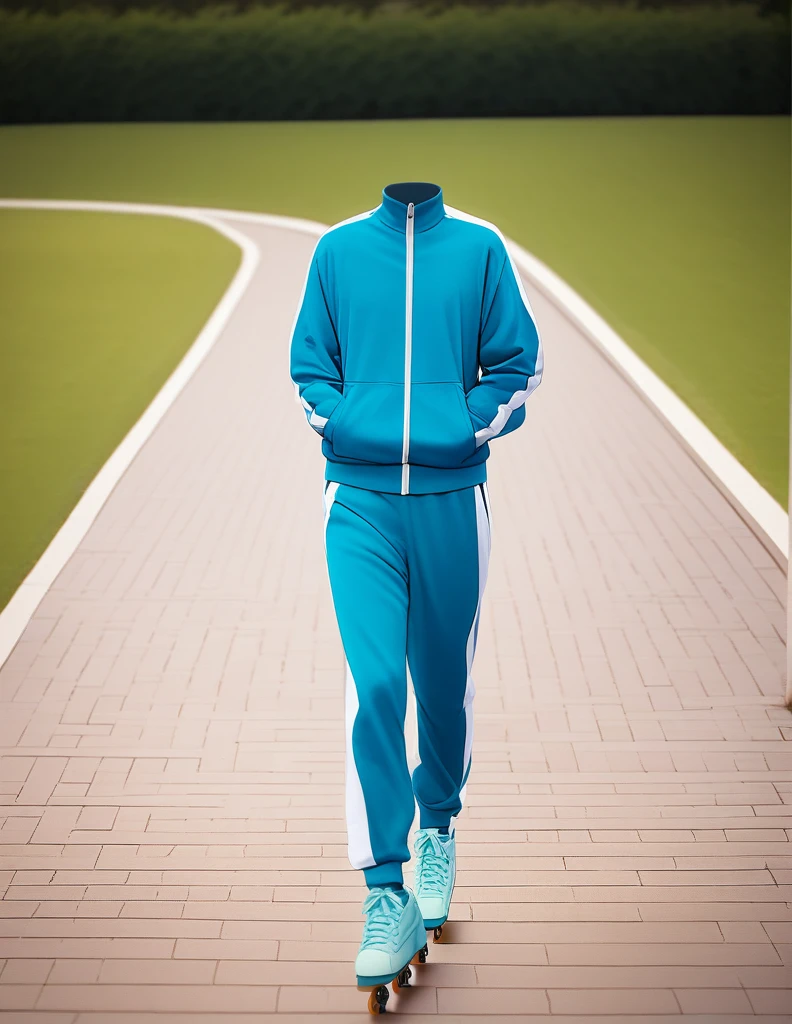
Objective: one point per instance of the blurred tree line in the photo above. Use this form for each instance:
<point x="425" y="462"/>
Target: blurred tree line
<point x="188" y="7"/>
<point x="328" y="62"/>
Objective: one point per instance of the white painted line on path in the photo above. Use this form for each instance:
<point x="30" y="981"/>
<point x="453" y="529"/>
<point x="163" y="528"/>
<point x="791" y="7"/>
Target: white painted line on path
<point x="733" y="479"/>
<point x="20" y="609"/>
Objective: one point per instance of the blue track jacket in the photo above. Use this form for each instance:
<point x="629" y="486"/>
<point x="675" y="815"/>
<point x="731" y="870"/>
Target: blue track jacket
<point x="413" y="345"/>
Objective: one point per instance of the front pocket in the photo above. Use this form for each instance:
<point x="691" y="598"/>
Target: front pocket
<point x="441" y="430"/>
<point x="370" y="423"/>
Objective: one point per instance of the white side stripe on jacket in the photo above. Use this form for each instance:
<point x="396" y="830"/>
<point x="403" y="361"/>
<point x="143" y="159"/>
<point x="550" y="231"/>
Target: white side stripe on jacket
<point x="519" y="397"/>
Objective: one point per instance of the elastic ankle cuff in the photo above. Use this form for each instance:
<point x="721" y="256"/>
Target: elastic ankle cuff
<point x="390" y="872"/>
<point x="430" y="820"/>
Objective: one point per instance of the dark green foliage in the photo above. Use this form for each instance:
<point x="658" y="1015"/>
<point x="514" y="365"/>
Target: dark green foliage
<point x="193" y="6"/>
<point x="325" y="63"/>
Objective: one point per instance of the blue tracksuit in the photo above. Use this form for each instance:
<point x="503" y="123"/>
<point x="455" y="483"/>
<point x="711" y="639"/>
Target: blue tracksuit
<point x="413" y="346"/>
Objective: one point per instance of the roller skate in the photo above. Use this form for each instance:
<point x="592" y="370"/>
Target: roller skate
<point x="435" y="871"/>
<point x="393" y="937"/>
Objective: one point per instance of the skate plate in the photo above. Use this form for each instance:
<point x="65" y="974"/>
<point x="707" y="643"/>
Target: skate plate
<point x="378" y="1000"/>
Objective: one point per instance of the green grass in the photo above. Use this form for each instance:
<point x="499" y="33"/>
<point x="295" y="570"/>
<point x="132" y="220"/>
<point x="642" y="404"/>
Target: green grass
<point x="677" y="230"/>
<point x="96" y="310"/>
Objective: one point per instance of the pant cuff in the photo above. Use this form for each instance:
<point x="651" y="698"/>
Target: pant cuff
<point x="381" y="873"/>
<point x="435" y="819"/>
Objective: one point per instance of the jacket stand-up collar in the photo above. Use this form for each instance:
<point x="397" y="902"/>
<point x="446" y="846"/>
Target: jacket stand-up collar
<point x="428" y="199"/>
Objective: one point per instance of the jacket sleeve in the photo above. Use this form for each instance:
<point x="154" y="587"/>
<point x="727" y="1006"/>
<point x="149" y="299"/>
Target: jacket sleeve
<point x="510" y="355"/>
<point x="314" y="351"/>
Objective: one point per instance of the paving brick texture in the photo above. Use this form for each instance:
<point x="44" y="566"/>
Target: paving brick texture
<point x="173" y="839"/>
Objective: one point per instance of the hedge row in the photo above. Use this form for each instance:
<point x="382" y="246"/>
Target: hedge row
<point x="192" y="6"/>
<point x="267" y="64"/>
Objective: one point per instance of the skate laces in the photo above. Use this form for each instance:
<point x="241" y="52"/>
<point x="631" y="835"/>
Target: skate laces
<point x="382" y="908"/>
<point x="433" y="863"/>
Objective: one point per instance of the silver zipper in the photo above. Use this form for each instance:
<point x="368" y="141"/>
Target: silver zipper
<point x="405" y="482"/>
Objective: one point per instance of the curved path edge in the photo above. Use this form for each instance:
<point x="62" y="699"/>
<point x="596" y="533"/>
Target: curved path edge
<point x="744" y="492"/>
<point x="26" y="599"/>
<point x="761" y="511"/>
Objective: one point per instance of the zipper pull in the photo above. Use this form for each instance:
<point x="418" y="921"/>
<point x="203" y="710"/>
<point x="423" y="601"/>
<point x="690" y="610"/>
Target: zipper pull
<point x="410" y="210"/>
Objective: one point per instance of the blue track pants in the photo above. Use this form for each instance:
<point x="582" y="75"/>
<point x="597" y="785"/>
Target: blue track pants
<point x="407" y="574"/>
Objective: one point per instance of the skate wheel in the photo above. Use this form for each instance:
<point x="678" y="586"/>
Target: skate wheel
<point x="377" y="1000"/>
<point x="438" y="934"/>
<point x="402" y="980"/>
<point x="421" y="956"/>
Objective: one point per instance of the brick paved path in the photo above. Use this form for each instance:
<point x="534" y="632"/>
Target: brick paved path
<point x="173" y="747"/>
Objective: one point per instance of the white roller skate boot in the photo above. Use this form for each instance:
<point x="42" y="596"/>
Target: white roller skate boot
<point x="393" y="937"/>
<point x="435" y="871"/>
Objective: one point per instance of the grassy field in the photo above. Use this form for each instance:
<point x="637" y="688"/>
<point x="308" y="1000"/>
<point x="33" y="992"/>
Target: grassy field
<point x="677" y="230"/>
<point x="74" y="374"/>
